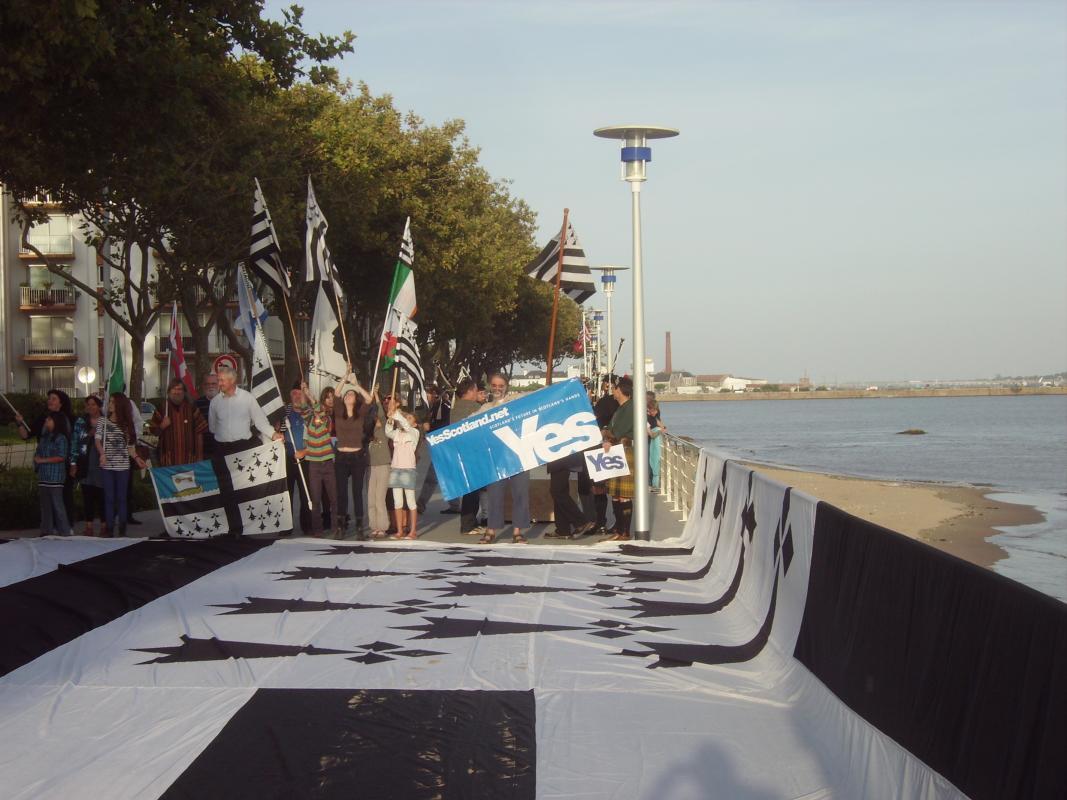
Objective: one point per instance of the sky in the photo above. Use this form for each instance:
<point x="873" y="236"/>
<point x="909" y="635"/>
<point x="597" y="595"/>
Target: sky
<point x="860" y="191"/>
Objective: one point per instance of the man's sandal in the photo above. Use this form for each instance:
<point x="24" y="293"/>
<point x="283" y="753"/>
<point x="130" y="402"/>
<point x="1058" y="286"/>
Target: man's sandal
<point x="518" y="538"/>
<point x="487" y="538"/>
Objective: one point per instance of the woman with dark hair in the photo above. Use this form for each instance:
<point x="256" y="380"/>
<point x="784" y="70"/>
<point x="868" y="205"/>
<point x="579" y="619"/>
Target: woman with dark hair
<point x="116" y="442"/>
<point x="57" y="401"/>
<point x="85" y="464"/>
<point x="350" y="465"/>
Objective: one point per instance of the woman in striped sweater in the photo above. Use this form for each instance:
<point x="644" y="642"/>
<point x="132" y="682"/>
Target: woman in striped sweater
<point x="319" y="456"/>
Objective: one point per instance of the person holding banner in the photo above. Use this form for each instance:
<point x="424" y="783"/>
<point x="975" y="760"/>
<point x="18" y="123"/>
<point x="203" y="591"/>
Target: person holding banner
<point x="234" y="417"/>
<point x="621" y="431"/>
<point x="466" y="404"/>
<point x="180" y="428"/>
<point x="379" y="461"/>
<point x="519" y="484"/>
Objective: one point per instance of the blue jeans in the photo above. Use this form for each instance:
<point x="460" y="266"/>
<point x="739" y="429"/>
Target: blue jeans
<point x="115" y="483"/>
<point x="53" y="512"/>
<point x="520" y="502"/>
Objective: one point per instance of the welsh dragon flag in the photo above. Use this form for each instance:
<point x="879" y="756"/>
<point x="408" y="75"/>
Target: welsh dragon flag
<point x="402" y="305"/>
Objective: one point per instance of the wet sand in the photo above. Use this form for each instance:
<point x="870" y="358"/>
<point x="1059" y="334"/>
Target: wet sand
<point x="956" y="519"/>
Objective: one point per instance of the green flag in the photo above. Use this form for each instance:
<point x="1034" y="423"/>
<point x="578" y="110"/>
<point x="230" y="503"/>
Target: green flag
<point x="116" y="380"/>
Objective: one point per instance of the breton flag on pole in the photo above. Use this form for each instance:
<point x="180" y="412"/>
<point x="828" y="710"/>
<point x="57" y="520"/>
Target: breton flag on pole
<point x="402" y="302"/>
<point x="407" y="356"/>
<point x="264" y="383"/>
<point x="177" y="354"/>
<point x="320" y="266"/>
<point x="576" y="281"/>
<point x="264" y="256"/>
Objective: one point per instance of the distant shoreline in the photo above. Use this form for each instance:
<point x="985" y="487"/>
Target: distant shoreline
<point x="860" y="394"/>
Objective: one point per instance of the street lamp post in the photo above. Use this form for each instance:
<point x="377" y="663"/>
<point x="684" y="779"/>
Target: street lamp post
<point x="635" y="155"/>
<point x="608" y="279"/>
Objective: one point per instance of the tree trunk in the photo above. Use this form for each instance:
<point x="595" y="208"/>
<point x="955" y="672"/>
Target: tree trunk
<point x="135" y="382"/>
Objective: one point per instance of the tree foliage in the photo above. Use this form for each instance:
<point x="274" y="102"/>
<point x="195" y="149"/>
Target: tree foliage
<point x="152" y="119"/>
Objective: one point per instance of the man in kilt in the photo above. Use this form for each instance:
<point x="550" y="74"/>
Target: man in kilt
<point x="621" y="431"/>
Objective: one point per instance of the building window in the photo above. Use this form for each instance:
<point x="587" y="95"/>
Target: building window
<point x="51" y="336"/>
<point x="44" y="378"/>
<point x="54" y="237"/>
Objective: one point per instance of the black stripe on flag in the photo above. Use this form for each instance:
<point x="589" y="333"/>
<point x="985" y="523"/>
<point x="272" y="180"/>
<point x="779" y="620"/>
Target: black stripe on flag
<point x="49" y="610"/>
<point x="576" y="281"/>
<point x="200" y="505"/>
<point x="371" y="743"/>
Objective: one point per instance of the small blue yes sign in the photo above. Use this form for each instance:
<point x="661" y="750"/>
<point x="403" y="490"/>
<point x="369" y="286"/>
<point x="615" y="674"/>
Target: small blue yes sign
<point x="603" y="465"/>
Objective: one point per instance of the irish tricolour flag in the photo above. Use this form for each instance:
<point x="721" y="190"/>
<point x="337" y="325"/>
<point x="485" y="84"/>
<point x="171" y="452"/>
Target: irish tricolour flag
<point x="402" y="305"/>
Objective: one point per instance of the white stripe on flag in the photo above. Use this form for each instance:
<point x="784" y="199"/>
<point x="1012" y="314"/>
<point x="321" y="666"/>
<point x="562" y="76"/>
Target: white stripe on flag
<point x="264" y="256"/>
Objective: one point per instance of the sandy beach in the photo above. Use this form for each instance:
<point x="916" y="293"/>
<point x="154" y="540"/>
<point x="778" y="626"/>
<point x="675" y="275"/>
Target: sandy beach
<point x="956" y="519"/>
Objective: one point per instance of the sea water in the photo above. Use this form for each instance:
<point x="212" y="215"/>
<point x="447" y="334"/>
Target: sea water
<point x="1016" y="446"/>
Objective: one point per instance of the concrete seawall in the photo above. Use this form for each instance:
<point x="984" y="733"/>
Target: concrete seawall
<point x="860" y="394"/>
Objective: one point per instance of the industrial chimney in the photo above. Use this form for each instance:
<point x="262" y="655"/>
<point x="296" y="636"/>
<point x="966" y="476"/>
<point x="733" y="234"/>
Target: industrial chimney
<point x="667" y="367"/>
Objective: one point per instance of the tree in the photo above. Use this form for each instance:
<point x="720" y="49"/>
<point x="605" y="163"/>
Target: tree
<point x="109" y="103"/>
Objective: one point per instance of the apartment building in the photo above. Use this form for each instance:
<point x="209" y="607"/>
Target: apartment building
<point x="49" y="328"/>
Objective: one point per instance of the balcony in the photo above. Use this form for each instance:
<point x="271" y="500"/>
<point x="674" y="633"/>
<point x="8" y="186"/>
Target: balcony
<point x="34" y="299"/>
<point x="51" y="246"/>
<point x="49" y="349"/>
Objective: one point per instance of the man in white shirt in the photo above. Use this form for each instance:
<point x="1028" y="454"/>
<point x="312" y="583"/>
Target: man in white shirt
<point x="233" y="414"/>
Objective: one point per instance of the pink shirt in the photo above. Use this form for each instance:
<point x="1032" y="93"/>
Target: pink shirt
<point x="405" y="440"/>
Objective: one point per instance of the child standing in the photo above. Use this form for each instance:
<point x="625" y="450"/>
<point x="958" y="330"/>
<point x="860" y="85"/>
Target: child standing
<point x="50" y="460"/>
<point x="405" y="436"/>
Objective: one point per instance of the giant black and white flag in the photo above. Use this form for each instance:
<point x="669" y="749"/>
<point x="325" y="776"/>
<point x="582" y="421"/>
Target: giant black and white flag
<point x="264" y="255"/>
<point x="320" y="265"/>
<point x="407" y="356"/>
<point x="778" y="648"/>
<point x="576" y="280"/>
<point x="244" y="492"/>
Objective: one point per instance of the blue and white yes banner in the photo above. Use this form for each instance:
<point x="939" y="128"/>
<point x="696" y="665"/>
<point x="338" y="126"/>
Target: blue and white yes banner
<point x="517" y="436"/>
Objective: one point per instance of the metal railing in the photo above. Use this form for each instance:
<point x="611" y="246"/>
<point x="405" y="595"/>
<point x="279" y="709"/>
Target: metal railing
<point x="678" y="471"/>
<point x="31" y="296"/>
<point x="58" y="348"/>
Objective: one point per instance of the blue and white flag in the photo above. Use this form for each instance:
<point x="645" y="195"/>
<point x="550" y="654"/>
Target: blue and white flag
<point x="517" y="436"/>
<point x="250" y="307"/>
<point x="244" y="492"/>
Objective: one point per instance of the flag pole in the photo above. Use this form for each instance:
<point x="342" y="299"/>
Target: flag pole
<point x="292" y="329"/>
<point x="341" y="325"/>
<point x="555" y="299"/>
<point x="170" y="354"/>
<point x="259" y="332"/>
<point x="14" y="411"/>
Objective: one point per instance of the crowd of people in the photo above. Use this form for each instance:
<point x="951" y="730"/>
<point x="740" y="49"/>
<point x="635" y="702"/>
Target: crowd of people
<point x="346" y="442"/>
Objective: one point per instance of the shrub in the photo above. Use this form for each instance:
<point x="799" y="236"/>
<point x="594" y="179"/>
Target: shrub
<point x="18" y="498"/>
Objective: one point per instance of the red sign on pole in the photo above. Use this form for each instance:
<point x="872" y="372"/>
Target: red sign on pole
<point x="225" y="360"/>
